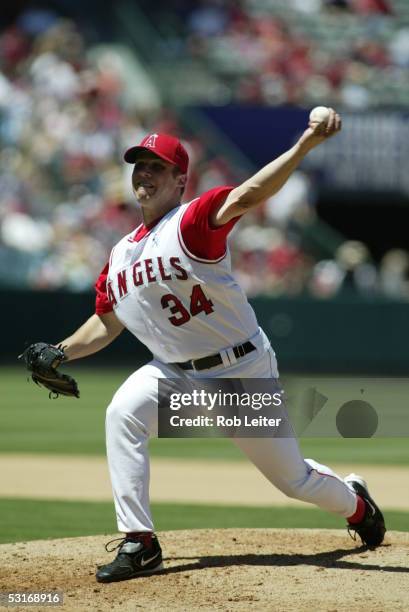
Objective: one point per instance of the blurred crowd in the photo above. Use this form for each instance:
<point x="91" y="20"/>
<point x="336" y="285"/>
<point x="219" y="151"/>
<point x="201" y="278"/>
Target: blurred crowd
<point x="272" y="254"/>
<point x="65" y="194"/>
<point x="351" y="53"/>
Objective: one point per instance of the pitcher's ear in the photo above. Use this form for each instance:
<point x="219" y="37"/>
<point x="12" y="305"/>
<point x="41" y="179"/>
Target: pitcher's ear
<point x="182" y="180"/>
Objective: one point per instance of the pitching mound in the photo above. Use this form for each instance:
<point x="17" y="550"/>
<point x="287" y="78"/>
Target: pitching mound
<point x="259" y="569"/>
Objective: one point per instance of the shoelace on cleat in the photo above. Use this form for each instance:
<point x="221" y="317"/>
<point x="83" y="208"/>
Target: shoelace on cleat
<point x="121" y="542"/>
<point x="353" y="534"/>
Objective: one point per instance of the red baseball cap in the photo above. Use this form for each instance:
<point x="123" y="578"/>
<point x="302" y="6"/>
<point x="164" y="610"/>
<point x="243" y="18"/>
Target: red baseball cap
<point x="167" y="147"/>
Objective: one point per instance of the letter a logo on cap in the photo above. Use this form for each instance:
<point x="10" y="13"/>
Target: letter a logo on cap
<point x="150" y="141"/>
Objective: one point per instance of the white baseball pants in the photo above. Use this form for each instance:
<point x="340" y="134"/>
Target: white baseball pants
<point x="132" y="418"/>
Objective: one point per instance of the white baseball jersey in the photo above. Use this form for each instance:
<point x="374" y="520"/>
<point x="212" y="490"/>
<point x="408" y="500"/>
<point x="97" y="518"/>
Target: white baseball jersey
<point x="180" y="305"/>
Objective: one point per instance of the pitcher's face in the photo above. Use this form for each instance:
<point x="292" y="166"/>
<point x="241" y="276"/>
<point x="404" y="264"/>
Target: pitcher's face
<point x="155" y="181"/>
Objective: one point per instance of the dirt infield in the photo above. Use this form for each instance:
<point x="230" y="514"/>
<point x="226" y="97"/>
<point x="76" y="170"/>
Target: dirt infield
<point x="173" y="480"/>
<point x="259" y="569"/>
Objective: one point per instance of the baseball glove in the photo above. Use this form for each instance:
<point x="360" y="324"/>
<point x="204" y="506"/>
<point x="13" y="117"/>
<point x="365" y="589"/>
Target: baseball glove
<point x="42" y="359"/>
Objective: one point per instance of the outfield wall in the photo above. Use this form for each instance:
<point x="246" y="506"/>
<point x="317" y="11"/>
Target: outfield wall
<point x="348" y="334"/>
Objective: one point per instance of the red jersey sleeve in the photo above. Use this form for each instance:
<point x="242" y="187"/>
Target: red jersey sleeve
<point x="102" y="303"/>
<point x="199" y="236"/>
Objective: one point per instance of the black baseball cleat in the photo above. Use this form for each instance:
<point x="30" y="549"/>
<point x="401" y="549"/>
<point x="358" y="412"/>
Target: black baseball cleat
<point x="133" y="559"/>
<point x="372" y="528"/>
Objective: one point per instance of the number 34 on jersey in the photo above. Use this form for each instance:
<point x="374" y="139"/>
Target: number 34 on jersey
<point x="152" y="270"/>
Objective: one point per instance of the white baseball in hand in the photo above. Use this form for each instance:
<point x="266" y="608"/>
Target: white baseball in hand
<point x="319" y="114"/>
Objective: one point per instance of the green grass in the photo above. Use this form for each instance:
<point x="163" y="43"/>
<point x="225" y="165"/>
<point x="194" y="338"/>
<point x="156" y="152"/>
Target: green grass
<point x="382" y="451"/>
<point x="39" y="519"/>
<point x="31" y="423"/>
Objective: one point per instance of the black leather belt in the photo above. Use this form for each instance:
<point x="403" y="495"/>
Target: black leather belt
<point x="204" y="363"/>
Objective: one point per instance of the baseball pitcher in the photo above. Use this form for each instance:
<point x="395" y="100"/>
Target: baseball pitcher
<point x="169" y="282"/>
